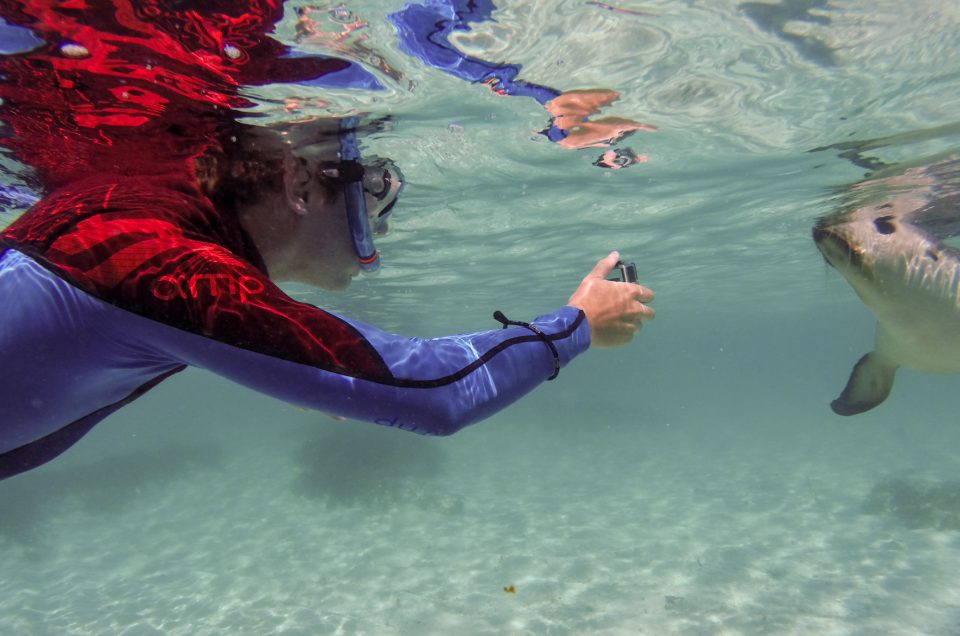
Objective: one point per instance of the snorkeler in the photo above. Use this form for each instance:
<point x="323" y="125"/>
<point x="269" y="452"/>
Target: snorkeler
<point x="161" y="252"/>
<point x="111" y="285"/>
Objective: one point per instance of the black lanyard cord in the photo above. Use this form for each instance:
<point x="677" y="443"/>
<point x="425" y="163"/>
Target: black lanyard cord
<point x="506" y="322"/>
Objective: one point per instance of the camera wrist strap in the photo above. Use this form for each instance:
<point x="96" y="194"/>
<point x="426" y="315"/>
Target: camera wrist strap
<point x="506" y="322"/>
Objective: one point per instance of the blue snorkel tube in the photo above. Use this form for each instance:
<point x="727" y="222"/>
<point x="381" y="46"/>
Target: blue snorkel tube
<point x="353" y="197"/>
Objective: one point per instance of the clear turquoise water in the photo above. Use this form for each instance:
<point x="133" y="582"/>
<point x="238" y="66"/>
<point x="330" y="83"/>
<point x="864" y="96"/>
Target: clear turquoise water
<point x="695" y="482"/>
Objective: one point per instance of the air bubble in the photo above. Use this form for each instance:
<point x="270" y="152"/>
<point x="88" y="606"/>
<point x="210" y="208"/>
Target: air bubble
<point x="341" y="14"/>
<point x="74" y="50"/>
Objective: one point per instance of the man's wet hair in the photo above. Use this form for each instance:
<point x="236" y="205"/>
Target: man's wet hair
<point x="247" y="162"/>
<point x="244" y="166"/>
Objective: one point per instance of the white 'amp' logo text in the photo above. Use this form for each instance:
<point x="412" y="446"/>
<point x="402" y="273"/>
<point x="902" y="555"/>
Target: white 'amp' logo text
<point x="212" y="285"/>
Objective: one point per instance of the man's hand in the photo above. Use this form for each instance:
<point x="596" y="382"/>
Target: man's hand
<point x="615" y="311"/>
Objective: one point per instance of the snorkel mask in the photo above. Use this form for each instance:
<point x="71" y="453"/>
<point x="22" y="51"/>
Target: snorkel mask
<point x="370" y="189"/>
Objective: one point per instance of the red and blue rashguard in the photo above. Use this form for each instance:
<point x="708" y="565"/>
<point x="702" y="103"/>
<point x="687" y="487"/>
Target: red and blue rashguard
<point x="109" y="286"/>
<point x="125" y="272"/>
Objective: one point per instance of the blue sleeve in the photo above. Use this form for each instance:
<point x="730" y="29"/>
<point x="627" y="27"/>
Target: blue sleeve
<point x="424" y="31"/>
<point x="439" y="385"/>
<point x="461" y="379"/>
<point x="72" y="359"/>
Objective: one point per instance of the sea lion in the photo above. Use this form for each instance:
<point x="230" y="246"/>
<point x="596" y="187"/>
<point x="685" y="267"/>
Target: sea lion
<point x="891" y="249"/>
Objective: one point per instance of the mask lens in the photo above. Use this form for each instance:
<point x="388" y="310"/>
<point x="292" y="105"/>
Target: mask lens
<point x="382" y="182"/>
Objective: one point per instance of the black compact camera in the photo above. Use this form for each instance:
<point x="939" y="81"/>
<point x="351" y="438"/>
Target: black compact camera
<point x="624" y="273"/>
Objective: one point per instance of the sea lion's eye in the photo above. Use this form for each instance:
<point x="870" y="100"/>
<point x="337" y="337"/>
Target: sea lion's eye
<point x="884" y="225"/>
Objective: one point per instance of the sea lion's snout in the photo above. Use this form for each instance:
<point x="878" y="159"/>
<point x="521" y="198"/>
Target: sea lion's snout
<point x="835" y="246"/>
<point x="820" y="232"/>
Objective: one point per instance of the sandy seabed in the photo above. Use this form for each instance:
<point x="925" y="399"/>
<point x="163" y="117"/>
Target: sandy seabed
<point x="350" y="529"/>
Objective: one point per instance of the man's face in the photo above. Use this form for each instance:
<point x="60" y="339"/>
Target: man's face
<point x="319" y="184"/>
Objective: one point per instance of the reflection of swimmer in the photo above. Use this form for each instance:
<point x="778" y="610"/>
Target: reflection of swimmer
<point x="424" y="31"/>
<point x="570" y="114"/>
<point x="131" y="270"/>
<point x="100" y="82"/>
<point x="619" y="158"/>
<point x="339" y="30"/>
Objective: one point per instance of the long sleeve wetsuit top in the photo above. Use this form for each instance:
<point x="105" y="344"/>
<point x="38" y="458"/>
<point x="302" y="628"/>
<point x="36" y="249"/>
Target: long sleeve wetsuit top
<point x="125" y="273"/>
<point x="108" y="287"/>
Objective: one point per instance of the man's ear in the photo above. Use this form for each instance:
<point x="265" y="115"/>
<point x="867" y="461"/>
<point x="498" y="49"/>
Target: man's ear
<point x="296" y="180"/>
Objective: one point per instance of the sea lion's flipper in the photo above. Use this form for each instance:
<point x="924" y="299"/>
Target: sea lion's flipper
<point x="869" y="385"/>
